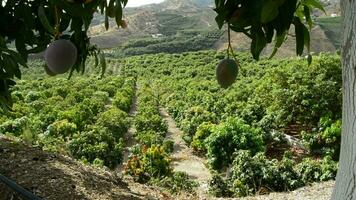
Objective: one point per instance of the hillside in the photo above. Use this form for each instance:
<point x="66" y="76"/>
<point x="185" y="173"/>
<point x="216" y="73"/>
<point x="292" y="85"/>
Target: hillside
<point x="168" y="18"/>
<point x="173" y="19"/>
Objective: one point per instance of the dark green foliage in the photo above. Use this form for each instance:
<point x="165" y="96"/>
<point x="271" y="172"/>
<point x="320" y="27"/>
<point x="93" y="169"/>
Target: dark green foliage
<point x="204" y="131"/>
<point x="97" y="143"/>
<point x="147" y="122"/>
<point x="71" y="116"/>
<point x="227" y="138"/>
<point x="193" y="117"/>
<point x="270" y="98"/>
<point x="61" y="128"/>
<point x="115" y="120"/>
<point x="150" y="128"/>
<point x="148" y="163"/>
<point x="249" y="174"/>
<point x="263" y="20"/>
<point x="219" y="187"/>
<point x="183" y="41"/>
<point x="176" y="183"/>
<point x="30" y="26"/>
<point x="16" y="126"/>
<point x="149" y="138"/>
<point x="326" y="139"/>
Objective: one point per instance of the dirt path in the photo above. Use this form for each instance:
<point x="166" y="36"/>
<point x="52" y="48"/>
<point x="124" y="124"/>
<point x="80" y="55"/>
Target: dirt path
<point x="128" y="137"/>
<point x="183" y="158"/>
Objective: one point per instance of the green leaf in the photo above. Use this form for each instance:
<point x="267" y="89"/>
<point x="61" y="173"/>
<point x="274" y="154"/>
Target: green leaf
<point x="110" y="10"/>
<point x="306" y="37"/>
<point x="309" y="59"/>
<point x="220" y="20"/>
<point x="118" y="13"/>
<point x="258" y="41"/>
<point x="269" y="11"/>
<point x="106" y="22"/>
<point x="269" y="33"/>
<point x="16" y="56"/>
<point x="278" y="43"/>
<point x="102" y="63"/>
<point x="315" y="4"/>
<point x="308" y="17"/>
<point x="299" y="34"/>
<point x="44" y="20"/>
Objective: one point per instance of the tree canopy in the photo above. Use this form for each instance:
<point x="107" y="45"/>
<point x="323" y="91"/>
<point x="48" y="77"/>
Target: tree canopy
<point x="28" y="26"/>
<point x="263" y="20"/>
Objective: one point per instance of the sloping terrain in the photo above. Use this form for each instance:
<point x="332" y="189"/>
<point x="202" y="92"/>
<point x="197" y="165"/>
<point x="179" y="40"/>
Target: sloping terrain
<point x="167" y="18"/>
<point x="317" y="191"/>
<point x="173" y="17"/>
<point x="53" y="176"/>
<point x="320" y="42"/>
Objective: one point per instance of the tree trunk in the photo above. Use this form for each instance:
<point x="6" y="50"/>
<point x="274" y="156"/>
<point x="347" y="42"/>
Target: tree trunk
<point x="345" y="187"/>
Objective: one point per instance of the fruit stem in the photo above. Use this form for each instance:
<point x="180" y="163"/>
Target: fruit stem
<point x="229" y="40"/>
<point x="57" y="26"/>
<point x="229" y="48"/>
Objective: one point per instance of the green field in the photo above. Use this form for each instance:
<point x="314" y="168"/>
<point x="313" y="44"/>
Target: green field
<point x="332" y="28"/>
<point x="242" y="128"/>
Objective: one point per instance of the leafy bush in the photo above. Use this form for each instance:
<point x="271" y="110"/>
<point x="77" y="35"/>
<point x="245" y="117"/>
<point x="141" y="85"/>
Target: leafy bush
<point x="168" y="146"/>
<point x="149" y="163"/>
<point x="251" y="174"/>
<point x="61" y="128"/>
<point x="115" y="120"/>
<point x="15" y="127"/>
<point x="176" y="183"/>
<point x="193" y="118"/>
<point x="315" y="170"/>
<point x="98" y="143"/>
<point x="122" y="101"/>
<point x="227" y="138"/>
<point x="219" y="187"/>
<point x="150" y="122"/>
<point x="326" y="140"/>
<point x="149" y="138"/>
<point x="203" y="132"/>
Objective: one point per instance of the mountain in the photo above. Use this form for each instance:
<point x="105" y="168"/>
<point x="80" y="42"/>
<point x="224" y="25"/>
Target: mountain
<point x="180" y="20"/>
<point x="167" y="18"/>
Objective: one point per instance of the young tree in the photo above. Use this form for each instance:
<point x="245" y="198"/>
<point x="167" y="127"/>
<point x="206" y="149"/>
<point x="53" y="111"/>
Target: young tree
<point x="30" y="25"/>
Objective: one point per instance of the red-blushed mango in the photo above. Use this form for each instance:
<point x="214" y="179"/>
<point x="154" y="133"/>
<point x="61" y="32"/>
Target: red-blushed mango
<point x="226" y="72"/>
<point x="60" y="56"/>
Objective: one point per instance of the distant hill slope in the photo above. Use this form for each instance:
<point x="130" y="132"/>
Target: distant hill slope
<point x="171" y="18"/>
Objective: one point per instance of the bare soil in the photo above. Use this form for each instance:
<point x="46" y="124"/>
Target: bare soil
<point x="184" y="159"/>
<point x="129" y="136"/>
<point x="52" y="176"/>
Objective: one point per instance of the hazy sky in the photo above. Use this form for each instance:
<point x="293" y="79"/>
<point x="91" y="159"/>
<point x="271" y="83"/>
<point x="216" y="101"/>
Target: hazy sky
<point x="135" y="3"/>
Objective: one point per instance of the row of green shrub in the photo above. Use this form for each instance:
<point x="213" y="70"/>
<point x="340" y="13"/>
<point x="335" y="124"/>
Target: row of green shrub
<point x="251" y="174"/>
<point x="82" y="117"/>
<point x="150" y="160"/>
<point x="283" y="96"/>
